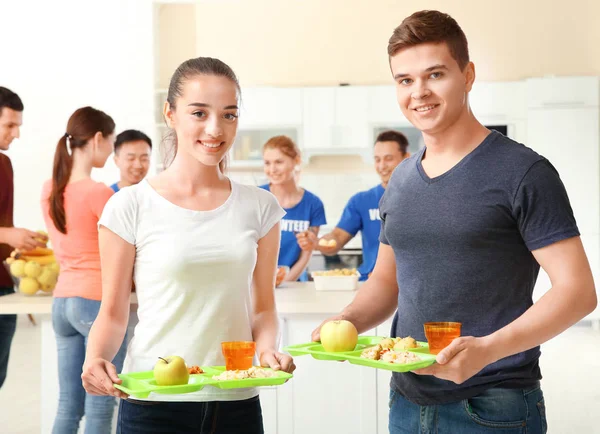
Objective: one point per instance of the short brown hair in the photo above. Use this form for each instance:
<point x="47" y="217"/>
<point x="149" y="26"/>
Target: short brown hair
<point x="431" y="27"/>
<point x="284" y="144"/>
<point x="394" y="136"/>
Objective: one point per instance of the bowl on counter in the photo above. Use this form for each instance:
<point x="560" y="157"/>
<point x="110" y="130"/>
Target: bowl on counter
<point x="336" y="280"/>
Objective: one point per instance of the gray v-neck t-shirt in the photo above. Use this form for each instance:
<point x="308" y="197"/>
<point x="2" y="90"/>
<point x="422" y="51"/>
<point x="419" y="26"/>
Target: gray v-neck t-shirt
<point x="462" y="243"/>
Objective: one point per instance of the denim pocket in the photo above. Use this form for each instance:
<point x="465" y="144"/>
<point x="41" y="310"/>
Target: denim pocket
<point x="498" y="408"/>
<point x="541" y="406"/>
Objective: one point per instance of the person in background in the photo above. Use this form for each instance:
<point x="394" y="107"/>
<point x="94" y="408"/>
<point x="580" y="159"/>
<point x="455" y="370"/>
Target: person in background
<point x="466" y="224"/>
<point x="362" y="211"/>
<point x="304" y="210"/>
<point x="132" y="157"/>
<point x="11" y="119"/>
<point x="203" y="250"/>
<point x="71" y="205"/>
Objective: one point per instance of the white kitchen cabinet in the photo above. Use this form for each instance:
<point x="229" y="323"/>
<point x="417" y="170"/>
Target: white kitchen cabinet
<point x="268" y="403"/>
<point x="270" y="107"/>
<point x="329" y="396"/>
<point x="318" y="117"/>
<point x="383" y="384"/>
<point x="502" y="101"/>
<point x="334" y="121"/>
<point x="569" y="138"/>
<point x="563" y="92"/>
<point x="383" y="106"/>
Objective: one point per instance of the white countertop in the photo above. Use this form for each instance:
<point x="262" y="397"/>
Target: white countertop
<point x="292" y="298"/>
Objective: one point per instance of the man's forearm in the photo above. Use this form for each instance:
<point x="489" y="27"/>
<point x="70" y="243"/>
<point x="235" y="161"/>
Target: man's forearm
<point x="556" y="311"/>
<point x="4" y="235"/>
<point x="375" y="301"/>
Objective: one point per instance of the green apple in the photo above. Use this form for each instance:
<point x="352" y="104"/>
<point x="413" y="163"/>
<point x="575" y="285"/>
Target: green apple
<point x="338" y="335"/>
<point x="171" y="371"/>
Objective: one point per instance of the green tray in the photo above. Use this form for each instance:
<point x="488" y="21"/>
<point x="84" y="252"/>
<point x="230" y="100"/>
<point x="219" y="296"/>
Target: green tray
<point x="141" y="384"/>
<point x="315" y="349"/>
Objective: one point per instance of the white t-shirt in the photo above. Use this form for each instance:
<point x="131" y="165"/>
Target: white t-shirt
<point x="193" y="273"/>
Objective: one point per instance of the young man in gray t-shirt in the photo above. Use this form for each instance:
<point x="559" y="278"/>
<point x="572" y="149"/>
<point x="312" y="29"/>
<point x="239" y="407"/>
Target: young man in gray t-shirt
<point x="466" y="224"/>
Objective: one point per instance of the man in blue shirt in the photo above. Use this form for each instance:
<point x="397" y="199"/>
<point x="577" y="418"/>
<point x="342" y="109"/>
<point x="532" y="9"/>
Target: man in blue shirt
<point x="132" y="157"/>
<point x="362" y="211"/>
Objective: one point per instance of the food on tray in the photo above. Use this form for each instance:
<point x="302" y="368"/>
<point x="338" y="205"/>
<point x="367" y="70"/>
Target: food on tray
<point x="195" y="370"/>
<point x="327" y="243"/>
<point x="405" y="344"/>
<point x="337" y="272"/>
<point x="386" y="350"/>
<point x="391" y="356"/>
<point x="338" y="336"/>
<point x="171" y="371"/>
<point x="240" y="374"/>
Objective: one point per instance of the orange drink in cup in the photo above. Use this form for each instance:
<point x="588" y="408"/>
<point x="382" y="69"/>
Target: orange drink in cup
<point x="440" y="334"/>
<point x="238" y="355"/>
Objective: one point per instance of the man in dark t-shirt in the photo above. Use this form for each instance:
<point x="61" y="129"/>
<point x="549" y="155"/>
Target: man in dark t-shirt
<point x="466" y="224"/>
<point x="11" y="118"/>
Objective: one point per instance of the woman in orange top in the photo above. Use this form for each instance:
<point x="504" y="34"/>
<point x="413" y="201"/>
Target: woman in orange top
<point x="72" y="204"/>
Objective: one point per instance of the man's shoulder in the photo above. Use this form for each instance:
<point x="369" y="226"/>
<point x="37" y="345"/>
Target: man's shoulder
<point x="508" y="153"/>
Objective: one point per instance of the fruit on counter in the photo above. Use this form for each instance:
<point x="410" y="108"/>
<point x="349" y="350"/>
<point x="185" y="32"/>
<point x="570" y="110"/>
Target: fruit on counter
<point x="38" y="265"/>
<point x="339" y="335"/>
<point x="42" y="260"/>
<point x="171" y="371"/>
<point x="54" y="266"/>
<point x="43" y="238"/>
<point x="32" y="269"/>
<point x="29" y="286"/>
<point x="38" y="251"/>
<point x="17" y="268"/>
<point x="47" y="279"/>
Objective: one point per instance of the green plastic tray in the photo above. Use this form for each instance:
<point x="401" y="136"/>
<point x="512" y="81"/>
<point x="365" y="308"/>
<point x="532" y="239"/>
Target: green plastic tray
<point x="141" y="384"/>
<point x="315" y="349"/>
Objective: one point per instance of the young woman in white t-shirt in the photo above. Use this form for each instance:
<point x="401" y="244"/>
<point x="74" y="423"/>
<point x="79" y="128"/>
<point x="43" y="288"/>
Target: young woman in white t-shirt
<point x="202" y="250"/>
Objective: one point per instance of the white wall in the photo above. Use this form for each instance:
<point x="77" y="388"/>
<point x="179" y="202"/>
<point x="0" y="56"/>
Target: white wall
<point x="65" y="54"/>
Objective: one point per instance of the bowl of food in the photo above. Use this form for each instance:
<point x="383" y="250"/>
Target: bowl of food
<point x="340" y="279"/>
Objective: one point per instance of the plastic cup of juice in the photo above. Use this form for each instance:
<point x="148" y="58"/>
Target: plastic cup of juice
<point x="440" y="334"/>
<point x="238" y="355"/>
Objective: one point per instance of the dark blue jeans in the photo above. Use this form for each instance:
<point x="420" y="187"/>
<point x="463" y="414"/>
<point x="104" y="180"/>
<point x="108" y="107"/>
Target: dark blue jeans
<point x="215" y="417"/>
<point x="8" y="325"/>
<point x="506" y="411"/>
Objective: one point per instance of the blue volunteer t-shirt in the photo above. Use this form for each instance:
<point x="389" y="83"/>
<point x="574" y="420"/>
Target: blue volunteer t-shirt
<point x="115" y="187"/>
<point x="308" y="212"/>
<point x="362" y="214"/>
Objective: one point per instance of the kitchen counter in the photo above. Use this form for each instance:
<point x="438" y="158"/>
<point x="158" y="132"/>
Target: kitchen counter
<point x="291" y="298"/>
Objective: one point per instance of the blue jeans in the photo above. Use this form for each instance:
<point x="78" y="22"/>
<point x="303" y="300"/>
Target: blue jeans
<point x="8" y="325"/>
<point x="72" y="319"/>
<point x="500" y="411"/>
<point x="215" y="417"/>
